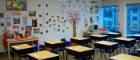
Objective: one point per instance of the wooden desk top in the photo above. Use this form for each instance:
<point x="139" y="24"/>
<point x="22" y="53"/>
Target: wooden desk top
<point x="79" y="48"/>
<point x="79" y="38"/>
<point x="54" y="41"/>
<point x="124" y="38"/>
<point x="125" y="57"/>
<point x="21" y="46"/>
<point x="106" y="43"/>
<point x="43" y="55"/>
<point x="98" y="35"/>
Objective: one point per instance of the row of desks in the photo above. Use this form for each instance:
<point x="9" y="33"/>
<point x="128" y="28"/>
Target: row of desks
<point x="73" y="50"/>
<point x="47" y="55"/>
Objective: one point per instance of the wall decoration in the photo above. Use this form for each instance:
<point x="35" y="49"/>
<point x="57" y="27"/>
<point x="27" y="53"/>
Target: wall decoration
<point x="40" y="15"/>
<point x="36" y="30"/>
<point x="96" y="9"/>
<point x="58" y="30"/>
<point x="50" y="20"/>
<point x="28" y="28"/>
<point x="41" y="33"/>
<point x="16" y="20"/>
<point x="46" y="31"/>
<point x="63" y="30"/>
<point x="47" y="22"/>
<point x="17" y="5"/>
<point x="32" y="13"/>
<point x="39" y="5"/>
<point x="58" y="16"/>
<point x="91" y="20"/>
<point x="1" y="15"/>
<point x="40" y="25"/>
<point x="74" y="19"/>
<point x="46" y="13"/>
<point x="34" y="22"/>
<point x="62" y="17"/>
<point x="46" y="5"/>
<point x="16" y="27"/>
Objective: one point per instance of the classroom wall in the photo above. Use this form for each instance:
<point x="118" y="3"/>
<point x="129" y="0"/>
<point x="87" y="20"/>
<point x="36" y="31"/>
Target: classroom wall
<point x="56" y="9"/>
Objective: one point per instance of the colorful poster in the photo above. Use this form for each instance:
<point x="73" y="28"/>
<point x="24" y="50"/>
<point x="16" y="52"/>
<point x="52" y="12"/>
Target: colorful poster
<point x="16" y="20"/>
<point x="1" y="15"/>
<point x="16" y="5"/>
<point x="36" y="30"/>
<point x="34" y="22"/>
<point x="32" y="13"/>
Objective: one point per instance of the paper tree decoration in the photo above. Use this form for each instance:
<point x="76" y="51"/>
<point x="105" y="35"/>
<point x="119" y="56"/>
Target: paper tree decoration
<point x="74" y="18"/>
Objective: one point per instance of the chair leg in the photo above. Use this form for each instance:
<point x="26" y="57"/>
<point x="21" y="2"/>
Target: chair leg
<point x="123" y="50"/>
<point x="101" y="54"/>
<point x="104" y="56"/>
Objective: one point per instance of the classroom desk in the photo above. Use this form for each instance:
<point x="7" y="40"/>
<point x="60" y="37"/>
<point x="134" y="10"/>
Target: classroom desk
<point x="99" y="37"/>
<point x="124" y="57"/>
<point x="79" y="51"/>
<point x="21" y="49"/>
<point x="54" y="44"/>
<point x="13" y="41"/>
<point x="137" y="36"/>
<point x="126" y="42"/>
<point x="107" y="46"/>
<point x="43" y="55"/>
<point x="112" y="34"/>
<point x="80" y="40"/>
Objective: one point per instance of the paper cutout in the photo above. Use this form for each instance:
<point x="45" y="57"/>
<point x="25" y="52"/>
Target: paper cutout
<point x="40" y="25"/>
<point x="39" y="5"/>
<point x="36" y="30"/>
<point x="16" y="20"/>
<point x="46" y="31"/>
<point x="41" y="33"/>
<point x="40" y="15"/>
<point x="46" y="5"/>
<point x="46" y="13"/>
<point x="1" y="15"/>
<point x="34" y="22"/>
<point x="32" y="13"/>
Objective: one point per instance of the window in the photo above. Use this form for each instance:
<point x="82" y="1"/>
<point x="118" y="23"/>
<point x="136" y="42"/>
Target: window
<point x="133" y="19"/>
<point x="110" y="18"/>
